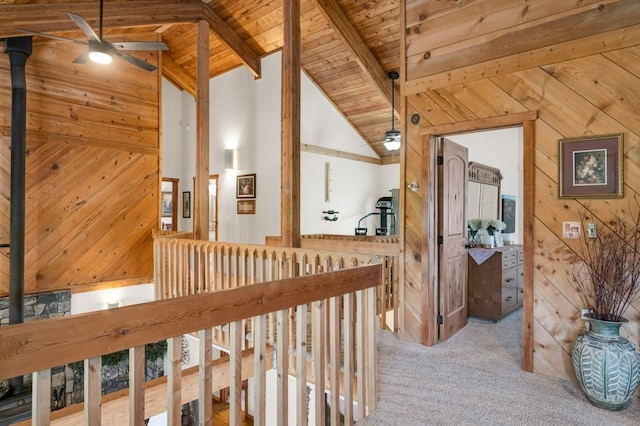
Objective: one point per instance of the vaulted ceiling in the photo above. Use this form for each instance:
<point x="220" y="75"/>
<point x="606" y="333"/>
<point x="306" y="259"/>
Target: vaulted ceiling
<point x="348" y="46"/>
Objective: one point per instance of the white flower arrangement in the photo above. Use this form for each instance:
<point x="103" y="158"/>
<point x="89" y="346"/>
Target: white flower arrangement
<point x="485" y="226"/>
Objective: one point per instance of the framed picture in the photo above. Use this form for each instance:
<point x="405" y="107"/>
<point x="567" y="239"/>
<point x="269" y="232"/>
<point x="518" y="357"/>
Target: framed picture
<point x="186" y="204"/>
<point x="246" y="186"/>
<point x="509" y="213"/>
<point x="591" y="167"/>
<point x="246" y="207"/>
<point x="167" y="204"/>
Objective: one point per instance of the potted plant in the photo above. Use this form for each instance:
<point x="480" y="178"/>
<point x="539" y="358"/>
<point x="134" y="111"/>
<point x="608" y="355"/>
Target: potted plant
<point x="606" y="364"/>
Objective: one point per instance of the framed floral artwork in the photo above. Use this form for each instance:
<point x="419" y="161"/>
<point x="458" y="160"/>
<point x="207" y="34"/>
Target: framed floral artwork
<point x="246" y="186"/>
<point x="591" y="167"/>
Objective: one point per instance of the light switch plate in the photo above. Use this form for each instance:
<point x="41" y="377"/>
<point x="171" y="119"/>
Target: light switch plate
<point x="570" y="229"/>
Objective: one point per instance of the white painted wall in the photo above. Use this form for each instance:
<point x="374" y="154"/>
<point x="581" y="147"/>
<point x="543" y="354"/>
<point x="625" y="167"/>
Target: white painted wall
<point x="97" y="300"/>
<point x="501" y="149"/>
<point x="245" y="115"/>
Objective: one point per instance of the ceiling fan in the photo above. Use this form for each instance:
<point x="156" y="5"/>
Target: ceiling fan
<point x="102" y="51"/>
<point x="392" y="138"/>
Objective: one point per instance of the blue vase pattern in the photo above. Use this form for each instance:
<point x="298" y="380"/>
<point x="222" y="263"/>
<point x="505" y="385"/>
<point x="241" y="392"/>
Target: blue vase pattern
<point x="606" y="364"/>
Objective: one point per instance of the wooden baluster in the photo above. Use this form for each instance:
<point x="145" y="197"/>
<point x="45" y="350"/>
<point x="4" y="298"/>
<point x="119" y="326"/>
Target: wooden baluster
<point x="41" y="398"/>
<point x="347" y="373"/>
<point x="92" y="391"/>
<point x="334" y="359"/>
<point x="137" y="369"/>
<point x="301" y="364"/>
<point x="282" y="417"/>
<point x="174" y="381"/>
<point x="260" y="350"/>
<point x="319" y="359"/>
<point x="208" y="270"/>
<point x="360" y="354"/>
<point x="372" y="397"/>
<point x="205" y="410"/>
<point x="235" y="374"/>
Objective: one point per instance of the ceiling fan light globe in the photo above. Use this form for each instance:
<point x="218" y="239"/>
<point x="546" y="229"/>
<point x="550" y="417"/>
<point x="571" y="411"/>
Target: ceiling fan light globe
<point x="392" y="140"/>
<point x="100" y="57"/>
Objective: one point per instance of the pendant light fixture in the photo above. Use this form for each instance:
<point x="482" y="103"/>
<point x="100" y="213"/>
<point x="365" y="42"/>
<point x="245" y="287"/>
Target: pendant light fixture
<point x="392" y="137"/>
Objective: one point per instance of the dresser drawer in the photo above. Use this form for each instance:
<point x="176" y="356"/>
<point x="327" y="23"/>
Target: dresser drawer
<point x="509" y="298"/>
<point x="509" y="259"/>
<point x="520" y="257"/>
<point x="509" y="279"/>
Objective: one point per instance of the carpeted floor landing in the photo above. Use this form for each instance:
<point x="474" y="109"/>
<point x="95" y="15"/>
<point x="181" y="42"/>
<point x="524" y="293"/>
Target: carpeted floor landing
<point x="475" y="378"/>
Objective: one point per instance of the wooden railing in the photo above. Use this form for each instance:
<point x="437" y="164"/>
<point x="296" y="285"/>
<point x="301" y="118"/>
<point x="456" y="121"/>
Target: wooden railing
<point x="336" y="308"/>
<point x="384" y="247"/>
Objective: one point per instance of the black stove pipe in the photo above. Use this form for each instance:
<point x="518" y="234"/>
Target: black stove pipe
<point x="18" y="49"/>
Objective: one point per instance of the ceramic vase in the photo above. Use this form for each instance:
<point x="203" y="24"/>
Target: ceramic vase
<point x="487" y="241"/>
<point x="607" y="366"/>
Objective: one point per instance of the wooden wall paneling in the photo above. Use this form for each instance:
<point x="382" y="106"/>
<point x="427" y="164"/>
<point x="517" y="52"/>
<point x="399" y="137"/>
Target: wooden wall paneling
<point x="92" y="169"/>
<point x="562" y="108"/>
<point x="485" y="99"/>
<point x="584" y="76"/>
<point x="551" y="29"/>
<point x="528" y="188"/>
<point x="586" y="46"/>
<point x="411" y="303"/>
<point x="628" y="58"/>
<point x="550" y="358"/>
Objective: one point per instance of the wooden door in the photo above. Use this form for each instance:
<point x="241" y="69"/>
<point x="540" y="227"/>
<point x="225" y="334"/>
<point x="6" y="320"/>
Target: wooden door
<point x="452" y="231"/>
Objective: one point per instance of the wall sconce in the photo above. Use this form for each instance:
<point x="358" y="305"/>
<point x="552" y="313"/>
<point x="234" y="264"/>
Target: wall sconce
<point x="414" y="186"/>
<point x="113" y="304"/>
<point x="231" y="159"/>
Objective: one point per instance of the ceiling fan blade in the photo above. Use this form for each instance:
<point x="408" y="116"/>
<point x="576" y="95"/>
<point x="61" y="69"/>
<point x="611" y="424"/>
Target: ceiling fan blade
<point x="82" y="59"/>
<point x="135" y="61"/>
<point x="139" y="45"/>
<point x="36" y="33"/>
<point x="84" y="26"/>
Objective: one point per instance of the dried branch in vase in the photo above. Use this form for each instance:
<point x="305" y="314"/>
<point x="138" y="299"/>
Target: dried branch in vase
<point x="608" y="279"/>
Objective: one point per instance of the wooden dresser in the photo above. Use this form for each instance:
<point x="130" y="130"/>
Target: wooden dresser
<point x="495" y="286"/>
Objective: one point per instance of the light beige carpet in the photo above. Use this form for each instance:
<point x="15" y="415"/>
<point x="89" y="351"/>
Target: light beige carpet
<point x="475" y="378"/>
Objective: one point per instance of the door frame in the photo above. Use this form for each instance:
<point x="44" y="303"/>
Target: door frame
<point x="429" y="218"/>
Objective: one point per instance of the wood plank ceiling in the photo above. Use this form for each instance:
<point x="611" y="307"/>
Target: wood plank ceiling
<point x="348" y="47"/>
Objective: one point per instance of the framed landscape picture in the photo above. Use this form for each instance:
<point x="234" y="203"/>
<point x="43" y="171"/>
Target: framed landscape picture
<point x="167" y="204"/>
<point x="591" y="167"/>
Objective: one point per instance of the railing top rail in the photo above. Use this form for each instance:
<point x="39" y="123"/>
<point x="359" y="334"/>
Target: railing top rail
<point x="327" y="250"/>
<point x="39" y="345"/>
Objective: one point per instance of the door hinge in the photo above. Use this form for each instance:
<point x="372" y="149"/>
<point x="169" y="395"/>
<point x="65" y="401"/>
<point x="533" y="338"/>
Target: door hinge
<point x="440" y="319"/>
<point x="440" y="239"/>
<point x="440" y="160"/>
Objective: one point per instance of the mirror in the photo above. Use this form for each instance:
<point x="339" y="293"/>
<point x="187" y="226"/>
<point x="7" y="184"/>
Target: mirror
<point x="483" y="192"/>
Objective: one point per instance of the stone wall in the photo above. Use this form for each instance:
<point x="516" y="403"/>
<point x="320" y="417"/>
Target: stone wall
<point x="40" y="306"/>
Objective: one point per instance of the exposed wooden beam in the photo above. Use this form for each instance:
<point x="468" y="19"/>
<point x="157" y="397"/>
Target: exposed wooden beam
<point x="201" y="189"/>
<point x="232" y="40"/>
<point x="362" y="55"/>
<point x="290" y="150"/>
<point x="53" y="18"/>
<point x="339" y="154"/>
<point x="177" y="75"/>
<point x="592" y="31"/>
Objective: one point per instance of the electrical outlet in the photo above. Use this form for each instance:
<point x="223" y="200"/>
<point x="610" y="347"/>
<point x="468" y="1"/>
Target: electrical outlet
<point x="591" y="230"/>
